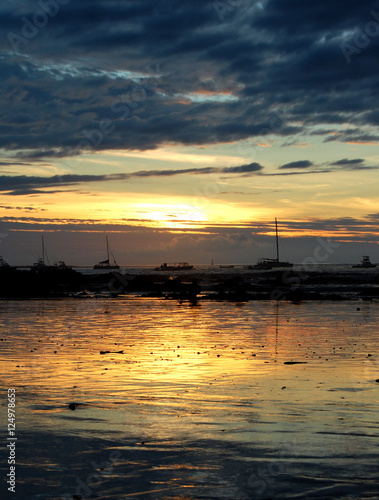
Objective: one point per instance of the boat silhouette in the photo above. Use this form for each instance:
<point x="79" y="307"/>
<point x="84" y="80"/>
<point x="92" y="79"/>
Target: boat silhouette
<point x="105" y="264"/>
<point x="265" y="263"/>
<point x="180" y="266"/>
<point x="41" y="265"/>
<point x="365" y="263"/>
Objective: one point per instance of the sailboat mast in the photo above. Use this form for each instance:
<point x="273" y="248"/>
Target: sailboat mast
<point x="277" y="240"/>
<point x="106" y="237"/>
<point x="43" y="251"/>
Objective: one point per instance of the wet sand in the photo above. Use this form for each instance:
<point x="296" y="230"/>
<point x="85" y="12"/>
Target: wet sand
<point x="150" y="398"/>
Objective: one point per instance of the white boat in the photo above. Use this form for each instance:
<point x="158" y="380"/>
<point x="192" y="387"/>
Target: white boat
<point x="272" y="263"/>
<point x="105" y="264"/>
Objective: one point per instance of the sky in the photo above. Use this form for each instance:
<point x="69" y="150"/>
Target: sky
<point x="182" y="129"/>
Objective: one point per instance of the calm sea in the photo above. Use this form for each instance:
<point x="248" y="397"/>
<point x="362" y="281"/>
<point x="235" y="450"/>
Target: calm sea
<point x="235" y="268"/>
<point x="149" y="398"/>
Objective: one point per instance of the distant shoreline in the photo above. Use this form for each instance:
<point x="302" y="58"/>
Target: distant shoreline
<point x="238" y="284"/>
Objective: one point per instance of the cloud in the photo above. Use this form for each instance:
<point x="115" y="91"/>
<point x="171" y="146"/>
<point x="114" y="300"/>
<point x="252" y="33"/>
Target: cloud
<point x="308" y="167"/>
<point x="354" y="136"/>
<point x="353" y="164"/>
<point x="297" y="164"/>
<point x="346" y="162"/>
<point x="337" y="228"/>
<point x="243" y="169"/>
<point x="26" y="185"/>
<point x="27" y="209"/>
<point x="373" y="217"/>
<point x="29" y="184"/>
<point x="280" y="64"/>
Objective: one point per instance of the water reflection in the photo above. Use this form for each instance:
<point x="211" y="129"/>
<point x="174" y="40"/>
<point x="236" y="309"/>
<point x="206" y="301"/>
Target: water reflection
<point x="203" y="389"/>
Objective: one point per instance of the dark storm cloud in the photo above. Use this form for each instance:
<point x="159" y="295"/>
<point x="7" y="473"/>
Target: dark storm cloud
<point x="106" y="74"/>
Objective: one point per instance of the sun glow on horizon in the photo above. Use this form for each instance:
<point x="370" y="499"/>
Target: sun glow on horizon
<point x="171" y="216"/>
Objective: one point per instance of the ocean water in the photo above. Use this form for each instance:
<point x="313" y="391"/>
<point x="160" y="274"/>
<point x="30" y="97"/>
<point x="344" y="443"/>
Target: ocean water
<point x="149" y="398"/>
<point x="207" y="270"/>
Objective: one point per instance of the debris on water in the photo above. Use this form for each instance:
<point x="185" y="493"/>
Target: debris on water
<point x="111" y="352"/>
<point x="295" y="362"/>
<point x="73" y="406"/>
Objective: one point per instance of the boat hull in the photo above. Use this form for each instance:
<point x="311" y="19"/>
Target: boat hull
<point x="364" y="266"/>
<point x="181" y="266"/>
<point x="272" y="265"/>
<point x="99" y="266"/>
<point x="365" y="263"/>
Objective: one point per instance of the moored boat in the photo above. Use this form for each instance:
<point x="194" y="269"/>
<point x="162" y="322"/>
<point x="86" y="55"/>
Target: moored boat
<point x="365" y="263"/>
<point x="105" y="264"/>
<point x="41" y="265"/>
<point x="180" y="266"/>
<point x="272" y="263"/>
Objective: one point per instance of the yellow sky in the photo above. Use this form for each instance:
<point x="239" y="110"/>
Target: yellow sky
<point x="207" y="198"/>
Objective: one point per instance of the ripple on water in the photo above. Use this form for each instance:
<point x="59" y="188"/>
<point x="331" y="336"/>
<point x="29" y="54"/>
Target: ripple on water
<point x="256" y="401"/>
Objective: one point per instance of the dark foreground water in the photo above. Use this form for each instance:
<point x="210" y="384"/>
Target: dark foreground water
<point x="261" y="400"/>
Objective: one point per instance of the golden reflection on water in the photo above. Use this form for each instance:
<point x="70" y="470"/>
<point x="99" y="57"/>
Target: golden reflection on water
<point x="214" y="372"/>
<point x="52" y="350"/>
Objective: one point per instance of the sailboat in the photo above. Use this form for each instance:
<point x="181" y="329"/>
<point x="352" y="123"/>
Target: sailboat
<point x="272" y="263"/>
<point x="40" y="264"/>
<point x="105" y="264"/>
